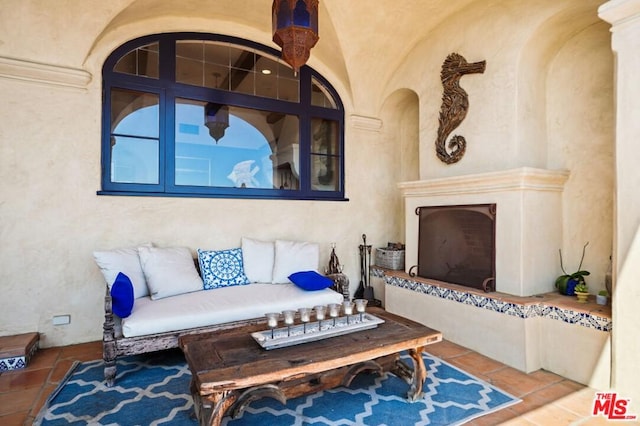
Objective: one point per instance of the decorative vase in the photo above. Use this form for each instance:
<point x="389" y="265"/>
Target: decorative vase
<point x="601" y="300"/>
<point x="582" y="296"/>
<point x="566" y="287"/>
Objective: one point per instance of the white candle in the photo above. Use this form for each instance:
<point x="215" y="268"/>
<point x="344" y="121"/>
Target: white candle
<point x="305" y="314"/>
<point x="288" y="317"/>
<point x="334" y="310"/>
<point x="320" y="311"/>
<point x="361" y="305"/>
<point x="272" y="321"/>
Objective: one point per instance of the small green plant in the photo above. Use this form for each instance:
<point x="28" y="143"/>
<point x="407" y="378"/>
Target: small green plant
<point x="581" y="288"/>
<point x="562" y="282"/>
<point x="603" y="293"/>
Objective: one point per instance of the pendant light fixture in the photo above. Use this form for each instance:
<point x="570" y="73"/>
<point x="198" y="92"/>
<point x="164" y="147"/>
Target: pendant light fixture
<point x="295" y="29"/>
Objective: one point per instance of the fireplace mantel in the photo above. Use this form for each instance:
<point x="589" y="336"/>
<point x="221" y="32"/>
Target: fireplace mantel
<point x="524" y="178"/>
<point x="528" y="221"/>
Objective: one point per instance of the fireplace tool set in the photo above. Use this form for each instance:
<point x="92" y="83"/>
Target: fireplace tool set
<point x="365" y="291"/>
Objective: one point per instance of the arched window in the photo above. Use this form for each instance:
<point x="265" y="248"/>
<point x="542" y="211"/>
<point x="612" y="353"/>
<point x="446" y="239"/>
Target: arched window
<point x="202" y="115"/>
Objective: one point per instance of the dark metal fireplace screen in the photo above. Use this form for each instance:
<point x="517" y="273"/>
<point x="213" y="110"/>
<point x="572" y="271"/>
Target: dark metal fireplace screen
<point x="456" y="244"/>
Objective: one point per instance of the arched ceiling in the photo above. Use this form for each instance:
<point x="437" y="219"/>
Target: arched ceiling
<point x="362" y="42"/>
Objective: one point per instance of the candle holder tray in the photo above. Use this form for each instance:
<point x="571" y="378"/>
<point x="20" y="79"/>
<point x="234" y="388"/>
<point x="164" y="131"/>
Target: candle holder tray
<point x="315" y="330"/>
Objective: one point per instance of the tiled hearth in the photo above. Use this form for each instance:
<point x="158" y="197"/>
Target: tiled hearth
<point x="548" y="331"/>
<point x="549" y="305"/>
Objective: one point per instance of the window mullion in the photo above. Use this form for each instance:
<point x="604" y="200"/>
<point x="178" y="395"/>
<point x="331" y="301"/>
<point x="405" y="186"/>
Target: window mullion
<point x="169" y="139"/>
<point x="167" y="108"/>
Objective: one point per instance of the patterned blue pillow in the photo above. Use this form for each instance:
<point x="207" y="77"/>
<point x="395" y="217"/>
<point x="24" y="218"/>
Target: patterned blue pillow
<point x="222" y="268"/>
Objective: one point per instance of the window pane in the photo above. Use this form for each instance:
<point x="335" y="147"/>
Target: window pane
<point x="134" y="113"/>
<point x="226" y="146"/>
<point x="242" y="81"/>
<point x="267" y="85"/>
<point x="134" y="137"/>
<point x="320" y="95"/>
<point x="134" y="160"/>
<point x="324" y="137"/>
<point x="216" y="77"/>
<point x="142" y="62"/>
<point x="216" y="53"/>
<point x="325" y="164"/>
<point x="325" y="172"/>
<point x="289" y="89"/>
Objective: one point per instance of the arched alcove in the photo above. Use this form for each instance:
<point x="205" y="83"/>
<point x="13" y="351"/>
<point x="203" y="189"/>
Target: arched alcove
<point x="400" y="115"/>
<point x="401" y="122"/>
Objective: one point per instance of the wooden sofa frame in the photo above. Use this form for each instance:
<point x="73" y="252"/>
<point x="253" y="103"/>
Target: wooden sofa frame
<point x="115" y="345"/>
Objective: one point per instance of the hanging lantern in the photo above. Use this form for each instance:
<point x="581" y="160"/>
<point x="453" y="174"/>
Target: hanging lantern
<point x="216" y="118"/>
<point x="295" y="29"/>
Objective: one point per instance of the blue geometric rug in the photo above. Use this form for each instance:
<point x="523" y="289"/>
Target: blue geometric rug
<point x="153" y="389"/>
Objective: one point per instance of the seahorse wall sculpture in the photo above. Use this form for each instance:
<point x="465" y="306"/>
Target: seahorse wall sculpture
<point x="455" y="104"/>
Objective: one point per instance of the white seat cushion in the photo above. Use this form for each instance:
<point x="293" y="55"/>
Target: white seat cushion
<point x="225" y="304"/>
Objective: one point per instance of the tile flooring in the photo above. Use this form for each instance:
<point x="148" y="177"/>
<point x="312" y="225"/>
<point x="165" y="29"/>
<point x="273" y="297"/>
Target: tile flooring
<point x="548" y="399"/>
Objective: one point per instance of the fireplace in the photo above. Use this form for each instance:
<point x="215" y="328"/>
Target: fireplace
<point x="456" y="244"/>
<point x="528" y="228"/>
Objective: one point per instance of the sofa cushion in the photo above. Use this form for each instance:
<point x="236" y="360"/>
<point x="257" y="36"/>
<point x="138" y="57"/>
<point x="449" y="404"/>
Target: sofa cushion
<point x="127" y="261"/>
<point x="122" y="296"/>
<point x="169" y="271"/>
<point x="225" y="304"/>
<point x="258" y="259"/>
<point x="294" y="256"/>
<point x="310" y="280"/>
<point x="222" y="268"/>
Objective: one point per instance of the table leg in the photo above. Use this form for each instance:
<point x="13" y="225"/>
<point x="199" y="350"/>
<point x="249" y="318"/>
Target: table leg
<point x="419" y="374"/>
<point x="213" y="407"/>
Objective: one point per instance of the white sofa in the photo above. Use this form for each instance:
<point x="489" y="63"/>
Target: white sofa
<point x="167" y="305"/>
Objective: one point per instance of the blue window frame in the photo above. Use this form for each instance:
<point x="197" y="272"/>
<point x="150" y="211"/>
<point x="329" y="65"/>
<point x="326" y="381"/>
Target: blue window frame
<point x="204" y="115"/>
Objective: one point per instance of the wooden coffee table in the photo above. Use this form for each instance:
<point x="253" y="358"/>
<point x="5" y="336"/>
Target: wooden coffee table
<point x="230" y="369"/>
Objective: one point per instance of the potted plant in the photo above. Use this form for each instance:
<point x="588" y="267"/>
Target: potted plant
<point x="582" y="292"/>
<point x="601" y="297"/>
<point x="567" y="283"/>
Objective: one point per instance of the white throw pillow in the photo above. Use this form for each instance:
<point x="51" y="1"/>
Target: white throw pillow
<point x="127" y="261"/>
<point x="294" y="256"/>
<point x="169" y="271"/>
<point x="258" y="257"/>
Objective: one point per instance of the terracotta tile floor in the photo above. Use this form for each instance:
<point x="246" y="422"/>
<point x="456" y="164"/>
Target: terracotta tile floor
<point x="548" y="399"/>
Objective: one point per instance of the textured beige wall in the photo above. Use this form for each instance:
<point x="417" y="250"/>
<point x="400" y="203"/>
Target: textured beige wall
<point x="580" y="131"/>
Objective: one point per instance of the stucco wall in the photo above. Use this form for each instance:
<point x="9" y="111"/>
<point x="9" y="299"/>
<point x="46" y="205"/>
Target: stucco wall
<point x="580" y="126"/>
<point x="52" y="220"/>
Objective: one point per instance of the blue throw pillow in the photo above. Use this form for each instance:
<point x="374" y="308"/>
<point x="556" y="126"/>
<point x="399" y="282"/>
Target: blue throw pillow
<point x="222" y="268"/>
<point x="310" y="280"/>
<point x="122" y="296"/>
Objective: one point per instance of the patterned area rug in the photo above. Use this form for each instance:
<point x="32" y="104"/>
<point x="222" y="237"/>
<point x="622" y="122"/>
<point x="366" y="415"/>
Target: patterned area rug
<point x="154" y="390"/>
